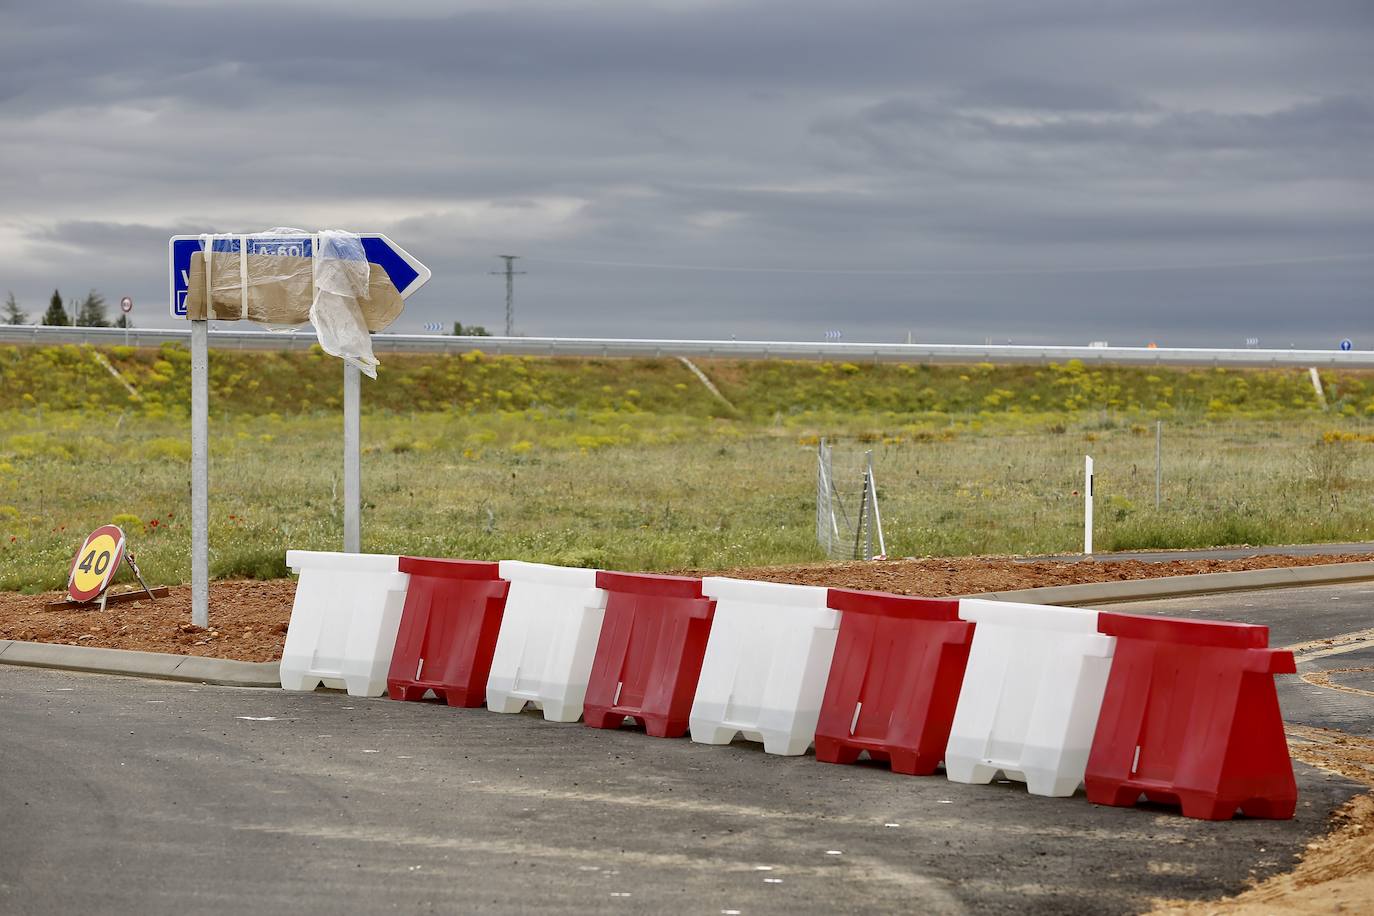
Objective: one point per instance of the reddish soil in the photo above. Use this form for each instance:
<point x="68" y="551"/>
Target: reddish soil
<point x="941" y="577"/>
<point x="248" y="620"/>
<point x="250" y="617"/>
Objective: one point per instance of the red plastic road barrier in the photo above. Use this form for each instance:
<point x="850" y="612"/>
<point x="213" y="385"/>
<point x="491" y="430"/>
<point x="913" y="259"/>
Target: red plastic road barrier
<point x="648" y="659"/>
<point x="1191" y="717"/>
<point x="894" y="681"/>
<point x="448" y="630"/>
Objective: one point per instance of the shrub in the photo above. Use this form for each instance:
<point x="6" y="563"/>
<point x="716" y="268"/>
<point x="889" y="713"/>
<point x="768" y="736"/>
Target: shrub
<point x="167" y="448"/>
<point x="249" y="563"/>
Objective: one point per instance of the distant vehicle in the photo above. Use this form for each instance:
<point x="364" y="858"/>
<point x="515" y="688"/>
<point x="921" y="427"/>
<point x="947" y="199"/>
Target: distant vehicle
<point x="1098" y="343"/>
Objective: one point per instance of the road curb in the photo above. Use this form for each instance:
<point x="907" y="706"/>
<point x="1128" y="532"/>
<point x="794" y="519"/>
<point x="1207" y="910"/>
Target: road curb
<point x="229" y="673"/>
<point x="1183" y="586"/>
<point x="194" y="668"/>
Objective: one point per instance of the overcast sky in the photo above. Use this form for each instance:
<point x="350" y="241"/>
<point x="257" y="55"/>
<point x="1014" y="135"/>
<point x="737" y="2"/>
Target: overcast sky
<point x="1065" y="170"/>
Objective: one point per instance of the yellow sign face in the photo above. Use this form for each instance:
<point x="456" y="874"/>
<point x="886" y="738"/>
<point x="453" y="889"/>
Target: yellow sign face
<point x="94" y="563"/>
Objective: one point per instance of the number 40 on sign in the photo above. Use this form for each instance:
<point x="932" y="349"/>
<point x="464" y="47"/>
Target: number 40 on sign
<point x="95" y="564"/>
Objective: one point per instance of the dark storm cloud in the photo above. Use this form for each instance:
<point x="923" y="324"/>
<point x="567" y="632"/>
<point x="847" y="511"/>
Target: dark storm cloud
<point x="1034" y="168"/>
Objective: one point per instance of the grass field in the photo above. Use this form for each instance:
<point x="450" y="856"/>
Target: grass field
<point x="632" y="464"/>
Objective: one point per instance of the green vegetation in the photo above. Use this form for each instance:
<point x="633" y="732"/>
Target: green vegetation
<point x="632" y="464"/>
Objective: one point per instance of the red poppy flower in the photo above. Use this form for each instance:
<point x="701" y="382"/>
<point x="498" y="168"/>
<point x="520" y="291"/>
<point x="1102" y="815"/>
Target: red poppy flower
<point x="152" y="523"/>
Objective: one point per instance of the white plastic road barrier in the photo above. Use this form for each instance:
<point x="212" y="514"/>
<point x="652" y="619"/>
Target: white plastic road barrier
<point x="548" y="637"/>
<point x="1031" y="695"/>
<point x="344" y="621"/>
<point x="766" y="664"/>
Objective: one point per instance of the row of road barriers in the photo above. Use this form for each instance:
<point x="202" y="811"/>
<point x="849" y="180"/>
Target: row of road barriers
<point x="1176" y="711"/>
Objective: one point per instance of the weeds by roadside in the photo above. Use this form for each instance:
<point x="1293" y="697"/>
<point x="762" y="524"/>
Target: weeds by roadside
<point x="646" y="476"/>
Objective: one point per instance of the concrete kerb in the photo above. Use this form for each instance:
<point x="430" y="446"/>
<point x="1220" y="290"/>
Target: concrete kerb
<point x="230" y="673"/>
<point x="197" y="669"/>
<point x="1093" y="593"/>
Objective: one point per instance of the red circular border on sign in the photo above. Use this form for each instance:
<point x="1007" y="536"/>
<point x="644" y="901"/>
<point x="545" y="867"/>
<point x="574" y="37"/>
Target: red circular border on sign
<point x="113" y="531"/>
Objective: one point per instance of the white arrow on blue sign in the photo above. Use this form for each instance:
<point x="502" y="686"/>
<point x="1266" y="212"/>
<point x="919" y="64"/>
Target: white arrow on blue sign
<point x="433" y="326"/>
<point x="406" y="273"/>
<point x="1347" y="344"/>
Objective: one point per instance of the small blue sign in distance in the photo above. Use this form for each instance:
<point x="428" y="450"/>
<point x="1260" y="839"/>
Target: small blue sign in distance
<point x="1347" y="344"/>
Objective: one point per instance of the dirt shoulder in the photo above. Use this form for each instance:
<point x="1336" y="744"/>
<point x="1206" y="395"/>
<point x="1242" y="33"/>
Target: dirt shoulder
<point x="1336" y="872"/>
<point x="249" y="617"/>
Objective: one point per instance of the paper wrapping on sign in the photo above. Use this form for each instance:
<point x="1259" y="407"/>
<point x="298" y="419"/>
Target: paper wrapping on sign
<point x="284" y="278"/>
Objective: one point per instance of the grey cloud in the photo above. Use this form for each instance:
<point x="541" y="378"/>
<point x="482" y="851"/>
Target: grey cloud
<point x="893" y="126"/>
<point x="967" y="136"/>
<point x="1034" y="94"/>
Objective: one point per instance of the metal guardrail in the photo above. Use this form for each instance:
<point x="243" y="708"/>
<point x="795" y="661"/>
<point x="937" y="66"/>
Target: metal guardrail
<point x="708" y="349"/>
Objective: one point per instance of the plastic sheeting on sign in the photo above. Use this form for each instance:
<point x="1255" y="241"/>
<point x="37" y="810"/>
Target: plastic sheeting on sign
<point x="341" y="279"/>
<point x="283" y="278"/>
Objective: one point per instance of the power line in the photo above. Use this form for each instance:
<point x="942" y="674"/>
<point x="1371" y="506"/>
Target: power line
<point x="510" y="273"/>
<point x="977" y="272"/>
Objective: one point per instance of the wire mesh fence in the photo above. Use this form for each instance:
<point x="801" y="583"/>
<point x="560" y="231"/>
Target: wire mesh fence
<point x="849" y="524"/>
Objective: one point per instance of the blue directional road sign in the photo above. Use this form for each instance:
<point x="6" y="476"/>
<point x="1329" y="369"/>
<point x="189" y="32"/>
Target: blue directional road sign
<point x="433" y="326"/>
<point x="406" y="273"/>
<point x="1346" y="344"/>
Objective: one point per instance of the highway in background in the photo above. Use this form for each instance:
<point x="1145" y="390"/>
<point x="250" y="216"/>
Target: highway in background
<point x="303" y="339"/>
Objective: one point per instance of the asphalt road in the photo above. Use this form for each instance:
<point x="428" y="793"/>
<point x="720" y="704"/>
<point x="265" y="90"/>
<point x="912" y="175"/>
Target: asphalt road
<point x="130" y="796"/>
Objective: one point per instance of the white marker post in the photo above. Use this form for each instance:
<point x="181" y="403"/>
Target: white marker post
<point x="1087" y="505"/>
<point x="1159" y="435"/>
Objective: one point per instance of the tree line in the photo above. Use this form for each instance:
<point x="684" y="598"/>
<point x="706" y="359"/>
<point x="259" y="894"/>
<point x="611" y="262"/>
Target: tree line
<point x="90" y="312"/>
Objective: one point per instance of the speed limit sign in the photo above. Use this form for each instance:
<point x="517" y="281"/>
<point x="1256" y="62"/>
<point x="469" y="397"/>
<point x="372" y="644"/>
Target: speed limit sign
<point x="95" y="563"/>
<point x="126" y="305"/>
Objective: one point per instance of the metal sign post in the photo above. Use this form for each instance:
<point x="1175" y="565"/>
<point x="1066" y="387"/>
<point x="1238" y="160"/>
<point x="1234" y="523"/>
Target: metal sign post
<point x="352" y="482"/>
<point x="126" y="305"/>
<point x="200" y="473"/>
